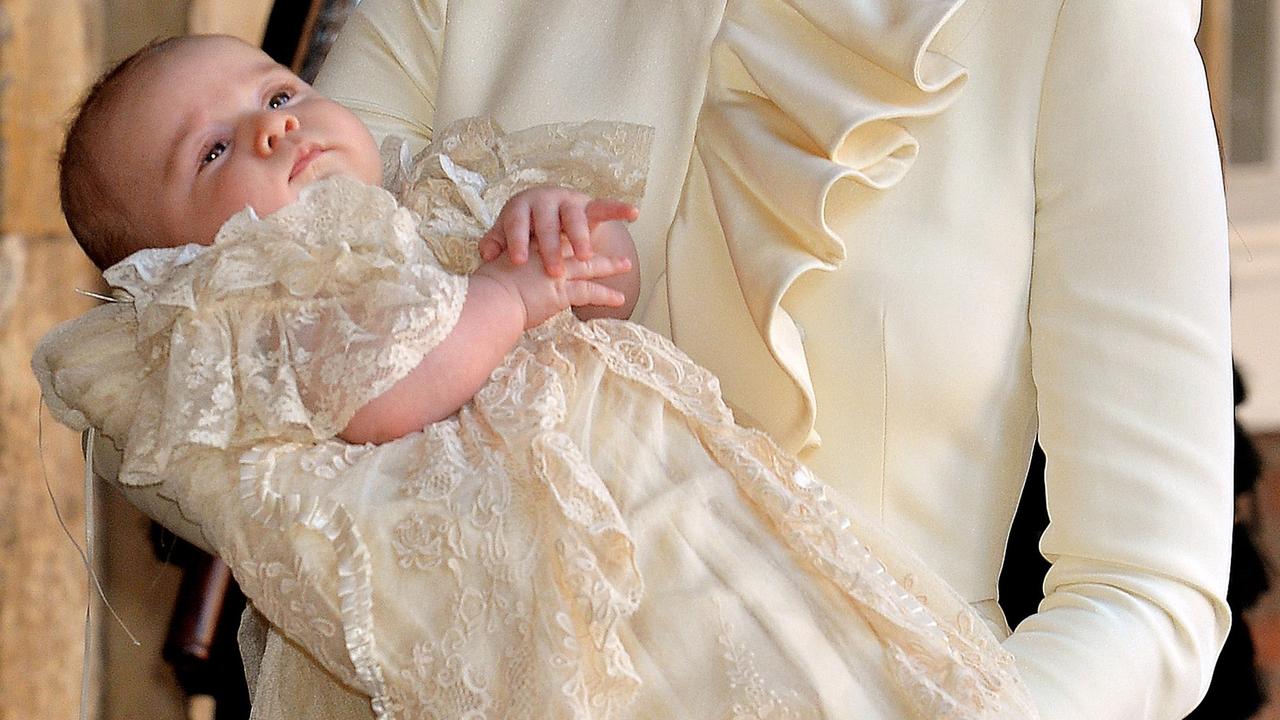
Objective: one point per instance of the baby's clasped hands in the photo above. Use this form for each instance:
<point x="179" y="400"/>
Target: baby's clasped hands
<point x="544" y="295"/>
<point x="545" y="214"/>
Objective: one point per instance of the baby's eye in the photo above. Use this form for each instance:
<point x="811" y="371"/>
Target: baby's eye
<point x="279" y="100"/>
<point x="213" y="152"/>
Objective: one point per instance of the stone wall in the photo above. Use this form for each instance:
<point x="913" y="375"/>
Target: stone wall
<point x="49" y="53"/>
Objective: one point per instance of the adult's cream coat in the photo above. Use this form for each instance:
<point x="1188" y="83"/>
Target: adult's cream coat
<point x="909" y="235"/>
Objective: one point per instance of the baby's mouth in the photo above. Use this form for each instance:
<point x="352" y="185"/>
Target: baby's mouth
<point x="304" y="160"/>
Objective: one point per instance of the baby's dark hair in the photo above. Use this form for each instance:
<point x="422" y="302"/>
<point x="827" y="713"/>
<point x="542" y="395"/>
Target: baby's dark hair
<point x="89" y="203"/>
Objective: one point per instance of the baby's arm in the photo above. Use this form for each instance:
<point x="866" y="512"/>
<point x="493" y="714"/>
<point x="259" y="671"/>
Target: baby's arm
<point x="503" y="299"/>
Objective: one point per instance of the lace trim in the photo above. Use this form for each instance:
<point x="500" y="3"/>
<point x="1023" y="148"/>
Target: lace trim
<point x="598" y="561"/>
<point x="593" y="550"/>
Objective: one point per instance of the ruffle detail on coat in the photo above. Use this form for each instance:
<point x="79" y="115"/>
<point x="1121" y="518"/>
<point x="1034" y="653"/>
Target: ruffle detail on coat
<point x="461" y="181"/>
<point x="245" y="340"/>
<point x="804" y="96"/>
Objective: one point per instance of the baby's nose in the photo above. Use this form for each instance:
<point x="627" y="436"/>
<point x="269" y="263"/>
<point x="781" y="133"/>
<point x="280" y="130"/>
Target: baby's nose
<point x="271" y="127"/>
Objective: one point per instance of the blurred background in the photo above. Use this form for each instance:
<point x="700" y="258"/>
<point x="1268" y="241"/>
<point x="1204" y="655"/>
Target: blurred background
<point x="182" y="608"/>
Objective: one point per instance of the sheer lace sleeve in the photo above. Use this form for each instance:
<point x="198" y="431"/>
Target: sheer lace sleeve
<point x="460" y="182"/>
<point x="284" y="327"/>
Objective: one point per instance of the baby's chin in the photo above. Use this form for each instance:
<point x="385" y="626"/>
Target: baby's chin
<point x="257" y="210"/>
<point x="333" y="163"/>
<point x="301" y="190"/>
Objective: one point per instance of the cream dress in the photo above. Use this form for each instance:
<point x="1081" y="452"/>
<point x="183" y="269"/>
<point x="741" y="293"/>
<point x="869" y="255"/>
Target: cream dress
<point x="591" y="537"/>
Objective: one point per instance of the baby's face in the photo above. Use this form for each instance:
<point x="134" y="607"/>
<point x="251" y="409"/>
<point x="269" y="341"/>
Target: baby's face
<point x="213" y="125"/>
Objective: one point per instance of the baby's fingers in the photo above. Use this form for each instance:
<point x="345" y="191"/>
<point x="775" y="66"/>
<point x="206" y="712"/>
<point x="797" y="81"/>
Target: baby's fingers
<point x="546" y="224"/>
<point x="604" y="210"/>
<point x="514" y="222"/>
<point x="586" y="292"/>
<point x="492" y="243"/>
<point x="600" y="266"/>
<point x="573" y="223"/>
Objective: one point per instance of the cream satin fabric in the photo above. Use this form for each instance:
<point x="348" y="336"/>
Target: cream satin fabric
<point x="1024" y="231"/>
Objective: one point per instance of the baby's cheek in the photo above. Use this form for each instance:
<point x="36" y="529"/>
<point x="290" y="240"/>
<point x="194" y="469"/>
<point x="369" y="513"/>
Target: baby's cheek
<point x="263" y="196"/>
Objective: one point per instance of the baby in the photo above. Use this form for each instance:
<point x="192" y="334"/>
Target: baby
<point x="458" y="499"/>
<point x="151" y="163"/>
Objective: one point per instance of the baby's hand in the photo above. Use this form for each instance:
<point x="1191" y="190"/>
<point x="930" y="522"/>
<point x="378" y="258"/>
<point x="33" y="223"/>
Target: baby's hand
<point x="544" y="295"/>
<point x="544" y="214"/>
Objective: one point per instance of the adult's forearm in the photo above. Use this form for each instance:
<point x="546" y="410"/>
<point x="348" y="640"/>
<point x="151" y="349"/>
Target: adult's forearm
<point x="1130" y="352"/>
<point x="1116" y="642"/>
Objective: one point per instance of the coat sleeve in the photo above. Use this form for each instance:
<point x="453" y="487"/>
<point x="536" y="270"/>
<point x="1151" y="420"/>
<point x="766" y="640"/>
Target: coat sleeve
<point x="385" y="66"/>
<point x="1131" y="361"/>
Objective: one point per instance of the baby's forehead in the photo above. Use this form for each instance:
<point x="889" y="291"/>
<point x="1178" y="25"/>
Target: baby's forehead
<point x="191" y="73"/>
<point x="214" y="56"/>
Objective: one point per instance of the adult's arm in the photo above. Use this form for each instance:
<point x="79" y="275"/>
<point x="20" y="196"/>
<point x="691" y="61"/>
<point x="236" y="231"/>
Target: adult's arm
<point x="1131" y="360"/>
<point x="385" y="66"/>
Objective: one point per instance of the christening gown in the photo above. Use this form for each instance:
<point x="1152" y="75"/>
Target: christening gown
<point x="591" y="537"/>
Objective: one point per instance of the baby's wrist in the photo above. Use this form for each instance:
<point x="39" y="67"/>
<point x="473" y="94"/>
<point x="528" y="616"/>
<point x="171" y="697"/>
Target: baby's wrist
<point x="491" y="285"/>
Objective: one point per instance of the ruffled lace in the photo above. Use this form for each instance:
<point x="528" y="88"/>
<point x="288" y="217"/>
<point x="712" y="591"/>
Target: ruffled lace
<point x="802" y="96"/>
<point x="352" y="585"/>
<point x="282" y="328"/>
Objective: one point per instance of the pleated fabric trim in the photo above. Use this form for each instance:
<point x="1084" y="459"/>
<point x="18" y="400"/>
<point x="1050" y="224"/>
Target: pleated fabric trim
<point x="331" y="520"/>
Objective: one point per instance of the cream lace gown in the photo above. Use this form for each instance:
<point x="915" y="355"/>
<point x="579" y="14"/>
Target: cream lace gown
<point x="591" y="537"/>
